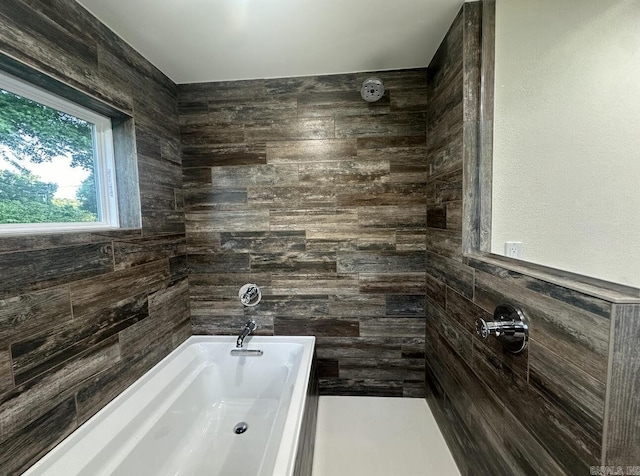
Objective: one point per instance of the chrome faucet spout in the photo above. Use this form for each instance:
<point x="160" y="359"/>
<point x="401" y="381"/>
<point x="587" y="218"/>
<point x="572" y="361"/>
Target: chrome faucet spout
<point x="249" y="327"/>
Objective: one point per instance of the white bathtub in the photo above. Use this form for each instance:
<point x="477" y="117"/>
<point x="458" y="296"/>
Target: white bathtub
<point x="178" y="419"/>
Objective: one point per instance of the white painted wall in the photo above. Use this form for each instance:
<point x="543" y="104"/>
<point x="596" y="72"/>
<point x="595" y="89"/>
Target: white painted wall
<point x="567" y="135"/>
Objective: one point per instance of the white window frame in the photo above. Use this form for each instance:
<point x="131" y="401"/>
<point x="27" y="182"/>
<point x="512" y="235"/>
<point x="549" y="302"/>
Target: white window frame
<point x="103" y="156"/>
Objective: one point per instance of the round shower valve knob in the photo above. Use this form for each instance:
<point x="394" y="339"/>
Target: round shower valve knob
<point x="250" y="294"/>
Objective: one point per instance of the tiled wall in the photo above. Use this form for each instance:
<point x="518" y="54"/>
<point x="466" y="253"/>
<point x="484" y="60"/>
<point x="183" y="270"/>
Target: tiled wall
<point x="302" y="187"/>
<point x="83" y="315"/>
<point x="543" y="411"/>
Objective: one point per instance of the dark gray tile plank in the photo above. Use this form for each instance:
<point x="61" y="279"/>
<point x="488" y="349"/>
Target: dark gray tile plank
<point x="392" y="283"/>
<point x="24" y="448"/>
<point x="33" y="270"/>
<point x="384" y="125"/>
<point x="317" y="326"/>
<point x="309" y="151"/>
<point x="391" y="326"/>
<point x="289" y="129"/>
<point x="622" y="438"/>
<point x="381" y="262"/>
<point x="89" y="296"/>
<point x="30" y="313"/>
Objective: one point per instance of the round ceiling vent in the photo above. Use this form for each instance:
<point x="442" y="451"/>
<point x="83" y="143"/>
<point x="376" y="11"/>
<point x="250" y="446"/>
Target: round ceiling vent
<point x="372" y="89"/>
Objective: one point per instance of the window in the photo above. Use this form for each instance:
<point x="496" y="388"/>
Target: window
<point x="56" y="163"/>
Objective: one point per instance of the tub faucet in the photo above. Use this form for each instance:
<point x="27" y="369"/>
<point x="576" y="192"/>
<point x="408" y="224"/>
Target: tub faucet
<point x="249" y="327"/>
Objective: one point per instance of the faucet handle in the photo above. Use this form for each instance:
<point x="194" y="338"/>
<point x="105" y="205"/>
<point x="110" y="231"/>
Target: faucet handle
<point x="251" y="325"/>
<point x="250" y="294"/>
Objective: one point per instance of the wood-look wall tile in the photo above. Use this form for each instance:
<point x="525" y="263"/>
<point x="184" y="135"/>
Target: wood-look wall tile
<point x="246" y="176"/>
<point x="289" y="197"/>
<point x="359" y="347"/>
<point x="207" y="198"/>
<point x="167" y="307"/>
<point x="202" y="242"/>
<point x="413" y="389"/>
<point x="144" y="250"/>
<point x="570" y="296"/>
<point x="222" y="90"/>
<point x="405" y="305"/>
<point x="342" y="103"/>
<point x="17" y="243"/>
<point x="215" y="221"/>
<point x="6" y="375"/>
<point x="289" y="129"/>
<point x="414" y="100"/>
<point x="622" y="439"/>
<point x="413" y="348"/>
<point x="328" y="368"/>
<point x="262" y="241"/>
<point x="354" y="305"/>
<point x="316" y="326"/>
<point x="463" y="310"/>
<point x="89" y="296"/>
<point x="218" y="263"/>
<point x="385" y="142"/>
<point x="294" y="261"/>
<point x="391" y="326"/>
<point x="27" y="314"/>
<point x="217" y="155"/>
<point x="381" y="262"/>
<point x="437" y="217"/>
<point x="410" y="240"/>
<point x="32" y="442"/>
<point x="45" y="351"/>
<point x="361" y="387"/>
<point x="20" y="407"/>
<point x="457" y="337"/>
<point x="452" y="273"/>
<point x="196" y="177"/>
<point x="299" y="305"/>
<point x="34" y="270"/>
<point x="384" y="125"/>
<point x="568" y="443"/>
<point x="382" y="369"/>
<point x="304" y="151"/>
<point x="344" y="172"/>
<point x="159" y="199"/>
<point x="205" y="134"/>
<point x="378" y="195"/>
<point x="579" y="394"/>
<point x="392" y="283"/>
<point x="408" y="217"/>
<point x="158" y="172"/>
<point x="206" y="314"/>
<point x="328" y="283"/>
<point x="239" y="110"/>
<point x="445" y="188"/>
<point x="526" y="450"/>
<point x="162" y="222"/>
<point x="313" y="219"/>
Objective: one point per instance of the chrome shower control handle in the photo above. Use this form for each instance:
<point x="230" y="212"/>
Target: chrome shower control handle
<point x="509" y="326"/>
<point x="482" y="328"/>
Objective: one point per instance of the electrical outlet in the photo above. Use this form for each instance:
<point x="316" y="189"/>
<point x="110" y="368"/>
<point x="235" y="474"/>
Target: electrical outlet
<point x="513" y="249"/>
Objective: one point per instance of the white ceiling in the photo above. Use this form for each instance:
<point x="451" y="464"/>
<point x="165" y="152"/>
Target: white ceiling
<point x="216" y="40"/>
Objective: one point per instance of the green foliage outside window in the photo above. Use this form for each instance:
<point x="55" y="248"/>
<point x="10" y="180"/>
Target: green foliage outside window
<point x="36" y="133"/>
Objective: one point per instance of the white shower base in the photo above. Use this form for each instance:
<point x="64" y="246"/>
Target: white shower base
<point x="373" y="436"/>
